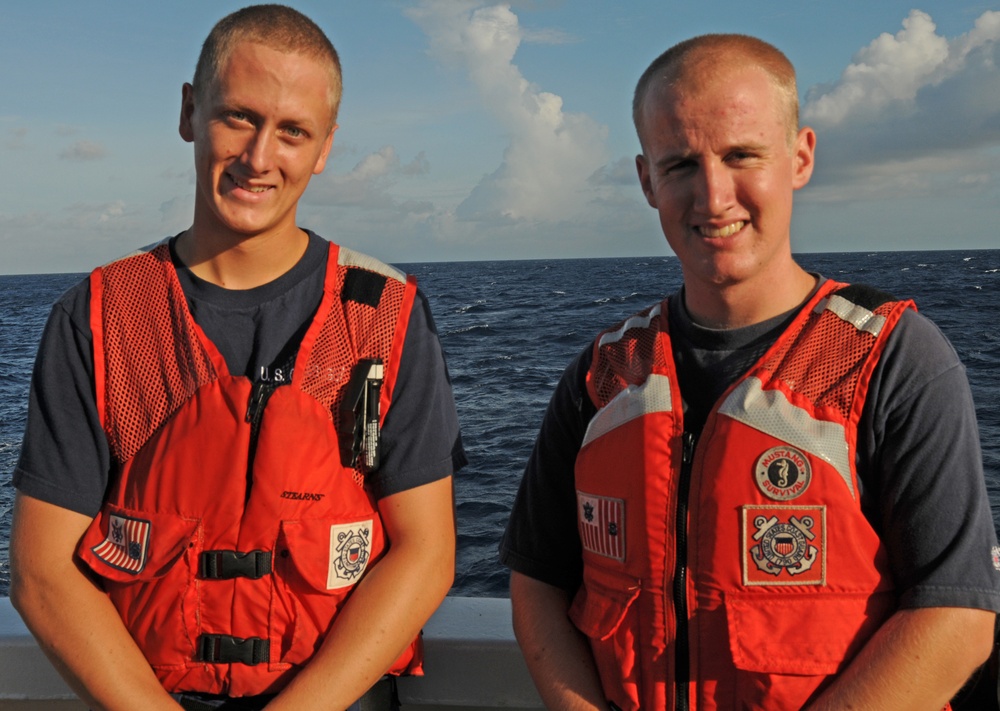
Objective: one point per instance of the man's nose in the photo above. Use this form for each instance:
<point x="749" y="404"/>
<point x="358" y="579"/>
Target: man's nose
<point x="714" y="189"/>
<point x="259" y="153"/>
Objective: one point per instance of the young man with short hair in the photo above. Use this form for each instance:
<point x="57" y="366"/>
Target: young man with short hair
<point x="235" y="485"/>
<point x="765" y="492"/>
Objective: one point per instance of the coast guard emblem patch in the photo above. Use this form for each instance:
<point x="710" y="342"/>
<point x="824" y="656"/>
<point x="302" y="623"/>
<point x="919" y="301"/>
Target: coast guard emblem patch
<point x="601" y="521"/>
<point x="126" y="545"/>
<point x="784" y="545"/>
<point x="350" y="548"/>
<point x="783" y="473"/>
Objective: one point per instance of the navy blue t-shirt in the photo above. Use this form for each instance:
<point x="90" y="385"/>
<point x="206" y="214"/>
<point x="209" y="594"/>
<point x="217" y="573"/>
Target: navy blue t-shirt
<point x="919" y="460"/>
<point x="65" y="458"/>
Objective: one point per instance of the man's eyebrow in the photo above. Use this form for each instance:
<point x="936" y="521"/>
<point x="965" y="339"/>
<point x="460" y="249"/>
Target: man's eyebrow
<point x="680" y="156"/>
<point x="672" y="158"/>
<point x="749" y="147"/>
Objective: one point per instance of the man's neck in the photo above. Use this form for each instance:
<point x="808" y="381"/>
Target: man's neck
<point x="747" y="303"/>
<point x="237" y="262"/>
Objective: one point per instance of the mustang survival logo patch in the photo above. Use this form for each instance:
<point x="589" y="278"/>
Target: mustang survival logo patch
<point x="784" y="545"/>
<point x="783" y="473"/>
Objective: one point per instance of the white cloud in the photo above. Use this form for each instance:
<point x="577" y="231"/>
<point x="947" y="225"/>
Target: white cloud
<point x="551" y="152"/>
<point x="620" y="172"/>
<point x="366" y="185"/>
<point x="889" y="70"/>
<point x="84" y="150"/>
<point x="914" y="113"/>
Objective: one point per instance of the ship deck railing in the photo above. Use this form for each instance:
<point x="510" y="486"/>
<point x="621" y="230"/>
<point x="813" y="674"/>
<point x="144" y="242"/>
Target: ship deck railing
<point x="471" y="661"/>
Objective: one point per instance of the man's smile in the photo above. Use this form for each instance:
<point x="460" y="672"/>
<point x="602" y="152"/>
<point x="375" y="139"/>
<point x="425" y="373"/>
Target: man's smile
<point x="727" y="231"/>
<point x="247" y="186"/>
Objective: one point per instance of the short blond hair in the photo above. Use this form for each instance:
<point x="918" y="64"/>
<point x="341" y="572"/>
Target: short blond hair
<point x="275" y="26"/>
<point x="698" y="55"/>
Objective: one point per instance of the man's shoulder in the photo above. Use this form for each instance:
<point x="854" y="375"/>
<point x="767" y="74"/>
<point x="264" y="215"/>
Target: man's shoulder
<point x="919" y="341"/>
<point x="352" y="258"/>
<point x="138" y="252"/>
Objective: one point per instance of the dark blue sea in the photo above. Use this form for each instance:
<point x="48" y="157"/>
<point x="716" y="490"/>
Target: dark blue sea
<point x="510" y="327"/>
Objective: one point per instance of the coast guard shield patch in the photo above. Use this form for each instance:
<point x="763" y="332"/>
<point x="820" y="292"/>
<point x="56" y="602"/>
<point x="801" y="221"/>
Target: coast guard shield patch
<point x="126" y="545"/>
<point x="350" y="548"/>
<point x="601" y="521"/>
<point x="784" y="545"/>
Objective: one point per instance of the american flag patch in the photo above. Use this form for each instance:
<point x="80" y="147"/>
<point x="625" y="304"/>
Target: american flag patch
<point x="126" y="544"/>
<point x="602" y="524"/>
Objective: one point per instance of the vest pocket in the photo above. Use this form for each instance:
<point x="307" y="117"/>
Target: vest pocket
<point x="784" y="645"/>
<point x="322" y="556"/>
<point x="316" y="564"/>
<point x="147" y="562"/>
<point x="606" y="610"/>
<point x="127" y="545"/>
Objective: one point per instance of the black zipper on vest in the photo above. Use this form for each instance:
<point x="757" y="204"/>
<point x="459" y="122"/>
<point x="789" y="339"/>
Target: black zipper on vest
<point x="262" y="390"/>
<point x="259" y="395"/>
<point x="682" y="651"/>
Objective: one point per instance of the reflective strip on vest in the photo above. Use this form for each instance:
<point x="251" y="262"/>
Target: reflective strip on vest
<point x="858" y="316"/>
<point x="638" y="321"/>
<point x="632" y="402"/>
<point x="349" y="258"/>
<point x="771" y="413"/>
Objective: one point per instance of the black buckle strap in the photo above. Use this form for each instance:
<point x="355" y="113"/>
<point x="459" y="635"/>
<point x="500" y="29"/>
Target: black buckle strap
<point x="225" y="565"/>
<point x="226" y="649"/>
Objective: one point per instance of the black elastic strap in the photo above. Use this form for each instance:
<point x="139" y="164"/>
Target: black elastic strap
<point x="226" y="649"/>
<point x="225" y="565"/>
<point x="863" y="295"/>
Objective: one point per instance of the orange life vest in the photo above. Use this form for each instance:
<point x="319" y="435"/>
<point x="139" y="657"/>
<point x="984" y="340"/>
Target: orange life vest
<point x="739" y="572"/>
<point x="234" y="529"/>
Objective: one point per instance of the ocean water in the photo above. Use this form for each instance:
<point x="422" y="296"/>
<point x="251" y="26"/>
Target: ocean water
<point x="510" y="327"/>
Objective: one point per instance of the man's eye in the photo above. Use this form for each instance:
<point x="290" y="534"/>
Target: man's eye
<point x="678" y="167"/>
<point x="294" y="132"/>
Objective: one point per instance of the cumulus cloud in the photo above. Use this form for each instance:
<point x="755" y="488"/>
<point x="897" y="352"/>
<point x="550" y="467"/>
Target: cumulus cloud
<point x="83" y="151"/>
<point x="620" y="172"/>
<point x="551" y="153"/>
<point x="913" y="112"/>
<point x="368" y="185"/>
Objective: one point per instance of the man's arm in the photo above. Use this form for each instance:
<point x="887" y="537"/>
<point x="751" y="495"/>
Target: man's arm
<point x="557" y="654"/>
<point x="918" y="659"/>
<point x="74" y="621"/>
<point x="389" y="606"/>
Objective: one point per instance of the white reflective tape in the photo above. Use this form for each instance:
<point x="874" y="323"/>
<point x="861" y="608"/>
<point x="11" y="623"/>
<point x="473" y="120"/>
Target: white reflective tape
<point x="770" y="412"/>
<point x="858" y="316"/>
<point x="637" y="321"/>
<point x="349" y="258"/>
<point x="632" y="402"/>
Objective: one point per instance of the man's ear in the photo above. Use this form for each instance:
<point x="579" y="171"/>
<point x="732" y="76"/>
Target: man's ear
<point x="645" y="179"/>
<point x="187" y="110"/>
<point x="805" y="157"/>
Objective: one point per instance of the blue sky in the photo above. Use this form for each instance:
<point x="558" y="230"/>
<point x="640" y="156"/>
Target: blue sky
<point x="478" y="130"/>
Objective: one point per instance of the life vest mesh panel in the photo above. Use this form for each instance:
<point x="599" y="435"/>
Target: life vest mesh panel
<point x="805" y="364"/>
<point x="630" y="358"/>
<point x="368" y="333"/>
<point x="153" y="358"/>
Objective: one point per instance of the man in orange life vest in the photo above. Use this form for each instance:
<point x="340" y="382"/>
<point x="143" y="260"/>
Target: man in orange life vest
<point x="235" y="484"/>
<point x="765" y="492"/>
